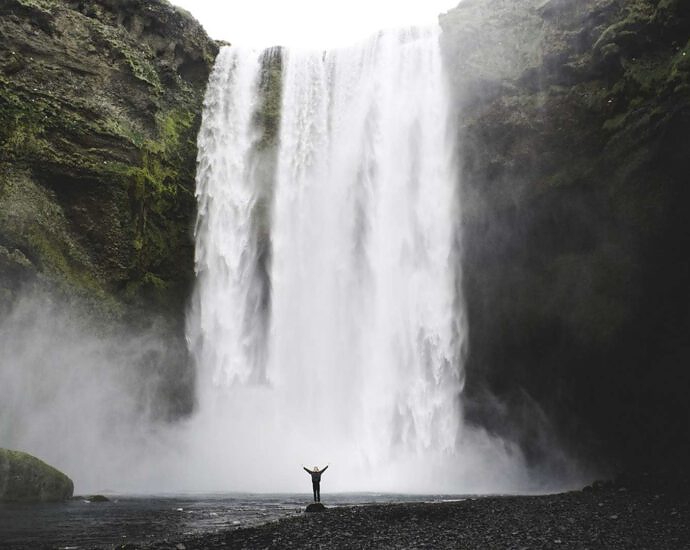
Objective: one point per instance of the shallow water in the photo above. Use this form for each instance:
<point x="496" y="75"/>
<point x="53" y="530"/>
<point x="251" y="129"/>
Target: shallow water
<point x="78" y="524"/>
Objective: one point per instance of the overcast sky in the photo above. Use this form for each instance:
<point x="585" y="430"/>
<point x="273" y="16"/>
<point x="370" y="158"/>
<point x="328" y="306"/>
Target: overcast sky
<point x="308" y="23"/>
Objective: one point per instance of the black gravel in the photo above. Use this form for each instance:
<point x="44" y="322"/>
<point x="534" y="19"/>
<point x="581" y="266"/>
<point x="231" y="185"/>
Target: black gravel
<point x="642" y="514"/>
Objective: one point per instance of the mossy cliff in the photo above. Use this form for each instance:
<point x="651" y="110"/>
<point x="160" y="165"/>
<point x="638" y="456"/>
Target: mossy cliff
<point x="100" y="104"/>
<point x="575" y="137"/>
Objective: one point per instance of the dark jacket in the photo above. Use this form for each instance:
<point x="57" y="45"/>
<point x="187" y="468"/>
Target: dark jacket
<point x="315" y="476"/>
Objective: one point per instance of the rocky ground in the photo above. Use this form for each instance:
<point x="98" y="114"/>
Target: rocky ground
<point x="616" y="515"/>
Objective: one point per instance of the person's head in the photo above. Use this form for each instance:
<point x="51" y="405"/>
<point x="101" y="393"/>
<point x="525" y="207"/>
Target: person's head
<point x="316" y="468"/>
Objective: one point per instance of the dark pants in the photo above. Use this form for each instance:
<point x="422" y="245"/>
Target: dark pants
<point x="317" y="491"/>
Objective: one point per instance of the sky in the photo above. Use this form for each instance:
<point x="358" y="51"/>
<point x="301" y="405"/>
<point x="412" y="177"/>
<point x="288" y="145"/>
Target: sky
<point x="308" y="23"/>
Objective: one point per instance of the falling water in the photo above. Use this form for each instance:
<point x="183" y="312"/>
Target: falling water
<point x="226" y="253"/>
<point x="364" y="333"/>
<point x="329" y="326"/>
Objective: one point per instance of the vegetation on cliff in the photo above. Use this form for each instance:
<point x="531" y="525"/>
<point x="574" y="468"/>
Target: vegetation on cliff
<point x="575" y="121"/>
<point x="100" y="103"/>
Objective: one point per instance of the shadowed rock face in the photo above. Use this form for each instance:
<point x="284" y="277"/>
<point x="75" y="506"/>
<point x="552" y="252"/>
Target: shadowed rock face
<point x="100" y="104"/>
<point x="25" y="478"/>
<point x="575" y="132"/>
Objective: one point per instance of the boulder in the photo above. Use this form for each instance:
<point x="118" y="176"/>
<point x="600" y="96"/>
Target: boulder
<point x="97" y="498"/>
<point x="25" y="478"/>
<point x="316" y="507"/>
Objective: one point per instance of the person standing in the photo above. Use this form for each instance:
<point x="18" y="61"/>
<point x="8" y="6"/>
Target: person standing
<point x="316" y="480"/>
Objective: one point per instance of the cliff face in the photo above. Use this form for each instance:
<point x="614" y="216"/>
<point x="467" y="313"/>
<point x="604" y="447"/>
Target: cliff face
<point x="100" y="104"/>
<point x="575" y="133"/>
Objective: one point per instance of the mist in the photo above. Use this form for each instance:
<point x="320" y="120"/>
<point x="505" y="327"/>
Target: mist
<point x="85" y="397"/>
<point x="87" y="400"/>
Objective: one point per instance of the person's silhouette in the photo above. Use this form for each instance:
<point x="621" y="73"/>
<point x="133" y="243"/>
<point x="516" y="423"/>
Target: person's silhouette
<point x="316" y="480"/>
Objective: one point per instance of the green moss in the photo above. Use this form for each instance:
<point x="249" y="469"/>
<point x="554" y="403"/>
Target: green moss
<point x="142" y="69"/>
<point x="74" y="277"/>
<point x="121" y="128"/>
<point x="36" y="227"/>
<point x="21" y="126"/>
<point x="149" y="284"/>
<point x="647" y="81"/>
<point x="42" y="5"/>
<point x="624" y="32"/>
<point x="25" y="478"/>
<point x="116" y="172"/>
<point x="29" y="124"/>
<point x="139" y="58"/>
<point x="644" y="77"/>
<point x="155" y="187"/>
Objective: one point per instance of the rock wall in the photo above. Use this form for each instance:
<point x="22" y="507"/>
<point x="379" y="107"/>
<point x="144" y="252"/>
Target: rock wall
<point x="100" y="104"/>
<point x="575" y="135"/>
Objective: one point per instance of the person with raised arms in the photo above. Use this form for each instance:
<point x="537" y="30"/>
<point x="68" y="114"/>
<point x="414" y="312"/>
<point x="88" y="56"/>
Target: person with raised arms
<point x="315" y="474"/>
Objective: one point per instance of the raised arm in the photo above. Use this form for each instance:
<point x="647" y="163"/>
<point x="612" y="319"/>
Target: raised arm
<point x="326" y="468"/>
<point x="307" y="470"/>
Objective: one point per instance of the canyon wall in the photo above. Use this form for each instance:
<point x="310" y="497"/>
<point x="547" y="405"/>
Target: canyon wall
<point x="575" y="132"/>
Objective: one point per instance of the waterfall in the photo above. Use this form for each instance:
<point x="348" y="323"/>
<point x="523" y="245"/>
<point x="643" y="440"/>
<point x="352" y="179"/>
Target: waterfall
<point x="226" y="246"/>
<point x="364" y="332"/>
<point x="328" y="323"/>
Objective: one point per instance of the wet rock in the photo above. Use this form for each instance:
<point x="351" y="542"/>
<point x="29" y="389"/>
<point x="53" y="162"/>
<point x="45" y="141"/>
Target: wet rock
<point x="100" y="105"/>
<point x="25" y="478"/>
<point x="574" y="124"/>
<point x="97" y="498"/>
<point x="316" y="507"/>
